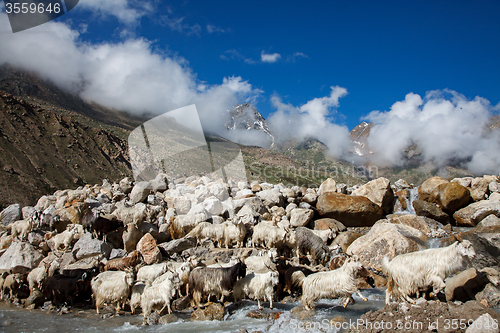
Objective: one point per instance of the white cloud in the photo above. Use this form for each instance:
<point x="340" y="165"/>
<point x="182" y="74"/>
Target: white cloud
<point x="295" y="56"/>
<point x="312" y="119"/>
<point x="266" y="57"/>
<point x="126" y="11"/>
<point x="125" y="76"/>
<point x="445" y="125"/>
<point x="236" y="55"/>
<point x="215" y="29"/>
<point x="178" y="24"/>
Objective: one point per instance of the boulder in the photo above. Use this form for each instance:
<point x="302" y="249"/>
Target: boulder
<point x="213" y="206"/>
<point x="494" y="187"/>
<point x="327" y="186"/>
<point x="413" y="221"/>
<point x="20" y="254"/>
<point x="11" y="214"/>
<point x="379" y="191"/>
<point x="345" y="239"/>
<point x="485" y="244"/>
<point x="300" y="217"/>
<point x="149" y="250"/>
<point x="288" y="193"/>
<point x="310" y="197"/>
<point x="327" y="223"/>
<point x="131" y="236"/>
<point x="489" y="221"/>
<point x="430" y="210"/>
<point x="87" y="246"/>
<point x="271" y="197"/>
<point x="168" y="318"/>
<point x="117" y="253"/>
<point x="452" y="196"/>
<point x="425" y="191"/>
<point x="484" y="324"/>
<point x="178" y="245"/>
<point x="352" y="211"/>
<point x="140" y="192"/>
<point x="481" y="186"/>
<point x="385" y="240"/>
<point x="464" y="181"/>
<point x="160" y="183"/>
<point x="490" y="295"/>
<point x="214" y="311"/>
<point x="474" y="213"/>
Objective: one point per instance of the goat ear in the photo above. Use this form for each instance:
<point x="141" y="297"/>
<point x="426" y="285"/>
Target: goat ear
<point x="84" y="276"/>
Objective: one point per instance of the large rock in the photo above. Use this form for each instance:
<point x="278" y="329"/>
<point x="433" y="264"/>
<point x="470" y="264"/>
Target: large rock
<point x="379" y="191"/>
<point x="87" y="246"/>
<point x="160" y="183"/>
<point x="489" y="221"/>
<point x="425" y="191"/>
<point x="385" y="240"/>
<point x="327" y="186"/>
<point x="352" y="211"/>
<point x="485" y="244"/>
<point x="480" y="185"/>
<point x="474" y="213"/>
<point x="11" y="214"/>
<point x="452" y="196"/>
<point x="430" y="210"/>
<point x="345" y="239"/>
<point x="140" y="192"/>
<point x="149" y="250"/>
<point x="131" y="236"/>
<point x="178" y="245"/>
<point x="485" y="323"/>
<point x="214" y="311"/>
<point x="300" y="217"/>
<point x="271" y="197"/>
<point x="490" y="295"/>
<point x="20" y="254"/>
<point x="327" y="223"/>
<point x="413" y="221"/>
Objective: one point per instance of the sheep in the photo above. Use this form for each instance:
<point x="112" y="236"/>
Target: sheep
<point x="208" y="230"/>
<point x="21" y="228"/>
<point x="151" y="272"/>
<point x="409" y="273"/>
<point x="160" y="294"/>
<point x="235" y="233"/>
<point x="38" y="276"/>
<point x="332" y="284"/>
<point x="307" y="242"/>
<point x="325" y="235"/>
<point x="120" y="264"/>
<point x="136" y="293"/>
<point x="214" y="281"/>
<point x="111" y="287"/>
<point x="257" y="286"/>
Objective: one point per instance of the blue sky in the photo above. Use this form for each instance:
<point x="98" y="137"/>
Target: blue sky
<point x="329" y="64"/>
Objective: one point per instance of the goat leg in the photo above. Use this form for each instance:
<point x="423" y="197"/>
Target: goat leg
<point x="362" y="297"/>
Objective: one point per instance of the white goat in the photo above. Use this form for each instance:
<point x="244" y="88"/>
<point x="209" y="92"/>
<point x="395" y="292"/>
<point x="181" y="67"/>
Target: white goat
<point x="268" y="235"/>
<point x="257" y="286"/>
<point x="111" y="287"/>
<point x="135" y="297"/>
<point x="151" y="272"/>
<point x="325" y="235"/>
<point x="160" y="294"/>
<point x="208" y="230"/>
<point x="21" y="228"/>
<point x="64" y="239"/>
<point x="409" y="273"/>
<point x="260" y="264"/>
<point x="38" y="276"/>
<point x="234" y="233"/>
<point x="183" y="270"/>
<point x="340" y="282"/>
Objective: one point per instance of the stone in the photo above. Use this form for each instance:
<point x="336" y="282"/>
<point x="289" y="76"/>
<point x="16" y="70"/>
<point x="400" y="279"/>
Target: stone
<point x="484" y="324"/>
<point x="288" y="193"/>
<point x="160" y="183"/>
<point x="474" y="213"/>
<point x="379" y="191"/>
<point x="430" y="210"/>
<point x="352" y="211"/>
<point x="256" y="188"/>
<point x="452" y="196"/>
<point x="385" y="240"/>
<point x="35" y="238"/>
<point x="300" y="217"/>
<point x="87" y="246"/>
<point x="152" y="319"/>
<point x="35" y="300"/>
<point x="329" y="185"/>
<point x="310" y="198"/>
<point x="149" y="250"/>
<point x="117" y="253"/>
<point x="495" y="196"/>
<point x="464" y="181"/>
<point x="140" y="192"/>
<point x="274" y="197"/>
<point x="11" y="214"/>
<point x="345" y="239"/>
<point x="413" y="221"/>
<point x="182" y="303"/>
<point x="182" y="205"/>
<point x="27" y="212"/>
<point x="490" y="294"/>
<point x="178" y="245"/>
<point x="489" y="221"/>
<point x="327" y="223"/>
<point x="218" y="190"/>
<point x="20" y="254"/>
<point x="494" y="187"/>
<point x="213" y="206"/>
<point x="301" y="313"/>
<point x="213" y="311"/>
<point x="425" y="191"/>
<point x="168" y="318"/>
<point x="481" y="185"/>
<point x="245" y="193"/>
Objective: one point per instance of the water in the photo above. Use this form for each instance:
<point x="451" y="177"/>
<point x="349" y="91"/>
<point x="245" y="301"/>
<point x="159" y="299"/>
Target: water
<point x="409" y="202"/>
<point x="14" y="319"/>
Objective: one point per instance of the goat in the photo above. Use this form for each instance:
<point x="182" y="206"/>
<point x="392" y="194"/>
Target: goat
<point x="332" y="284"/>
<point x="160" y="294"/>
<point x="308" y="242"/>
<point x="208" y="230"/>
<point x="235" y="233"/>
<point x="268" y="235"/>
<point x="259" y="264"/>
<point x="120" y="264"/>
<point x="257" y="286"/>
<point x="214" y="281"/>
<point x="112" y="287"/>
<point x="151" y="272"/>
<point x="21" y="228"/>
<point x="103" y="226"/>
<point x="3" y="275"/>
<point x="13" y="283"/>
<point x="294" y="277"/>
<point x="64" y="288"/>
<point x="467" y="284"/>
<point x="136" y="293"/>
<point x="38" y="276"/>
<point x="409" y="273"/>
<point x="183" y="270"/>
<point x="64" y="239"/>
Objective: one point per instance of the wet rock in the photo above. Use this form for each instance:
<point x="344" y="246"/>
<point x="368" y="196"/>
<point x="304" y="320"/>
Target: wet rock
<point x="301" y="313"/>
<point x="20" y="254"/>
<point x="35" y="300"/>
<point x="182" y="303"/>
<point x="379" y="191"/>
<point x="178" y="245"/>
<point x="430" y="210"/>
<point x="11" y="214"/>
<point x="345" y="239"/>
<point x="426" y="190"/>
<point x="413" y="221"/>
<point x="213" y="311"/>
<point x="474" y="213"/>
<point x="87" y="246"/>
<point x="385" y="240"/>
<point x="168" y="318"/>
<point x="300" y="217"/>
<point x="327" y="186"/>
<point x="152" y="319"/>
<point x="149" y="250"/>
<point x="131" y="236"/>
<point x="352" y="211"/>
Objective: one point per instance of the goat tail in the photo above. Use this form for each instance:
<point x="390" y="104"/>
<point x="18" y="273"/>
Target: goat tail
<point x="385" y="265"/>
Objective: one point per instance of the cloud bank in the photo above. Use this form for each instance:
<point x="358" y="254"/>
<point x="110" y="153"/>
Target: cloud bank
<point x="272" y="57"/>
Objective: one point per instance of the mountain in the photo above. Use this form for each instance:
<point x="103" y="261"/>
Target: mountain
<point x="358" y="136"/>
<point x="246" y="117"/>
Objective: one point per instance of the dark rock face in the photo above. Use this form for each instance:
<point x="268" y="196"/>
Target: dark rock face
<point x="430" y="210"/>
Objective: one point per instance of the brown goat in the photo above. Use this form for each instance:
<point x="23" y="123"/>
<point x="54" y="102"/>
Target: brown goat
<point x="120" y="264"/>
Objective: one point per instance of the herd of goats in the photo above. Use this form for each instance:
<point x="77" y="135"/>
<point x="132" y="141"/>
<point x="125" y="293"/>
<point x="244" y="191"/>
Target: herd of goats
<point x="310" y="268"/>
